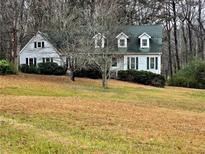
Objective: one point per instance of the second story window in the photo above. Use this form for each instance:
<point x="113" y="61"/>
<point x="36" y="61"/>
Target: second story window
<point x="122" y="40"/>
<point x="100" y="41"/>
<point x="114" y="62"/>
<point x="39" y="44"/>
<point x="144" y="40"/>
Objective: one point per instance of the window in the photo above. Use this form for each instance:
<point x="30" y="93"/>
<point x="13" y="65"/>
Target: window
<point x="122" y="42"/>
<point x="132" y="63"/>
<point x="114" y="62"/>
<point x="144" y="40"/>
<point x="47" y="60"/>
<point x="144" y="43"/>
<point x="39" y="44"/>
<point x="100" y="41"/>
<point x="152" y="63"/>
<point x="31" y="61"/>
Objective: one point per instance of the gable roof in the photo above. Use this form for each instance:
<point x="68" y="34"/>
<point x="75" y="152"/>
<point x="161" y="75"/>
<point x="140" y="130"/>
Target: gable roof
<point x="144" y="34"/>
<point x="122" y="34"/>
<point x="134" y="32"/>
<point x="155" y="31"/>
<point x="99" y="34"/>
<point x="44" y="37"/>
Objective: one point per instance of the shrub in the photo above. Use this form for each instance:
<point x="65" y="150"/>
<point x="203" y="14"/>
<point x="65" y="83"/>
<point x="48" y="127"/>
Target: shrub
<point x="60" y="70"/>
<point x="90" y="72"/>
<point x="192" y="76"/>
<point x="143" y="77"/>
<point x="29" y="69"/>
<point x="6" y="67"/>
<point x="47" y="68"/>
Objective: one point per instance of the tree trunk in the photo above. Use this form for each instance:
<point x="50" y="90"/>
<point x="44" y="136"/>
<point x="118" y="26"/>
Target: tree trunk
<point x="175" y="35"/>
<point x="185" y="43"/>
<point x="72" y="76"/>
<point x="170" y="53"/>
<point x="190" y="40"/>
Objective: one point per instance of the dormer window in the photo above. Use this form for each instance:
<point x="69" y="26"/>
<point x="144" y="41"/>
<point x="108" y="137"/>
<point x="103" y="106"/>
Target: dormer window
<point x="122" y="40"/>
<point x="99" y="40"/>
<point x="144" y="40"/>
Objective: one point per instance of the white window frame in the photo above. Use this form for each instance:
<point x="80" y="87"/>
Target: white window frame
<point x="36" y="44"/>
<point x="99" y="37"/>
<point x="129" y="63"/>
<point x="142" y="37"/>
<point x="156" y="63"/>
<point x="122" y="36"/>
<point x="116" y="63"/>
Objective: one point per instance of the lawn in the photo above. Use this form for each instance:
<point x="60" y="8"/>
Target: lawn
<point x="49" y="114"/>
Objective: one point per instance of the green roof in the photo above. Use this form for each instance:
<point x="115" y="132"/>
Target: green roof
<point x="155" y="31"/>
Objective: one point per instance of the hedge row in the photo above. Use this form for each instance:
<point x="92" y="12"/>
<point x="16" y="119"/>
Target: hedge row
<point x="88" y="73"/>
<point x="48" y="68"/>
<point x="142" y="77"/>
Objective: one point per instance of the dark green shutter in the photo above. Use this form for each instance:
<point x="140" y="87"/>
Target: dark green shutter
<point x="156" y="63"/>
<point x="148" y="63"/>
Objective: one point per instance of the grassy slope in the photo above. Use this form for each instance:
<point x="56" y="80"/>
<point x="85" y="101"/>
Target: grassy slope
<point x="41" y="114"/>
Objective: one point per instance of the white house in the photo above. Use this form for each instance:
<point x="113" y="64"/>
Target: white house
<point x="138" y="48"/>
<point x="39" y="50"/>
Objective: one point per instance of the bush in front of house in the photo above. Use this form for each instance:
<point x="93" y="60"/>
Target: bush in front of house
<point x="142" y="77"/>
<point x="29" y="69"/>
<point x="60" y="70"/>
<point x="89" y="72"/>
<point x="192" y="76"/>
<point x="48" y="68"/>
<point x="6" y="67"/>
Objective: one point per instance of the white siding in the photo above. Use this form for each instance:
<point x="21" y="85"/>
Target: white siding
<point x="142" y="62"/>
<point x="120" y="64"/>
<point x="47" y="52"/>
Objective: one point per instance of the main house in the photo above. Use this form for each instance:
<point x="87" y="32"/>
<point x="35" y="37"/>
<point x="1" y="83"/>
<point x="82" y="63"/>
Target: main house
<point x="137" y="47"/>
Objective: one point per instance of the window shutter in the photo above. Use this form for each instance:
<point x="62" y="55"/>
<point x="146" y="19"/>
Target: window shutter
<point x="35" y="45"/>
<point x="128" y="63"/>
<point x="148" y="63"/>
<point x="43" y="45"/>
<point x="156" y="63"/>
<point x="26" y="61"/>
<point x="34" y="61"/>
<point x="136" y="63"/>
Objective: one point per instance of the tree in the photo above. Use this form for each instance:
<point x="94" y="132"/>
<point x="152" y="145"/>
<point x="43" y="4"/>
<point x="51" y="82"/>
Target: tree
<point x="105" y="26"/>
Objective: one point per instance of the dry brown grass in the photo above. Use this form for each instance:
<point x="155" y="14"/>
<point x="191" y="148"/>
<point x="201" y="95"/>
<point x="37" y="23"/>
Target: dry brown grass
<point x="154" y="127"/>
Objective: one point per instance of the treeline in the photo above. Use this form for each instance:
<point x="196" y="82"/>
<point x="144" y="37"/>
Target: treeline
<point x="183" y="21"/>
